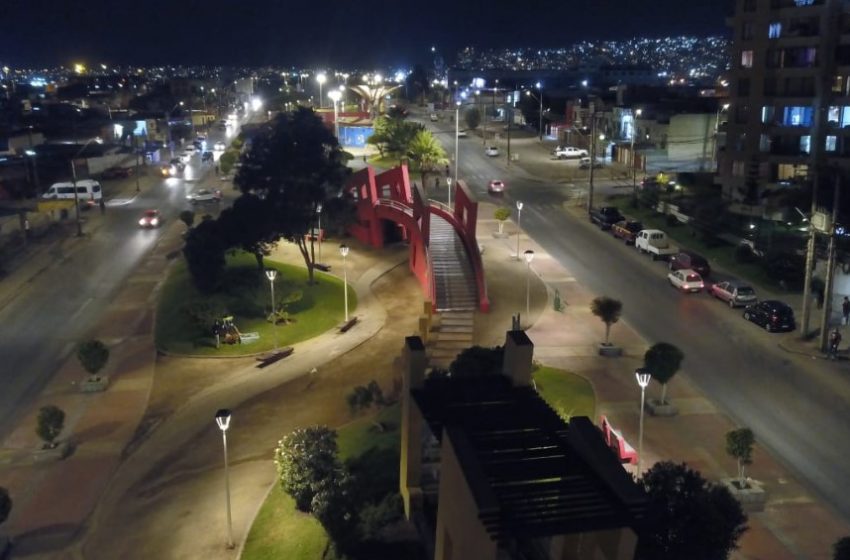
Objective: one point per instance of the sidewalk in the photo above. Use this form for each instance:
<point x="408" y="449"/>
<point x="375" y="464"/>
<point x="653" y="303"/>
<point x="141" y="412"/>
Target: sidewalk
<point x="793" y="525"/>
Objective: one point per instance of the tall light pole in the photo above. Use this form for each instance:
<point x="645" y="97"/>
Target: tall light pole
<point x="643" y="376"/>
<point x="540" y="93"/>
<point x="592" y="158"/>
<point x="631" y="154"/>
<point x="319" y="213"/>
<point x="335" y="95"/>
<point x="222" y="418"/>
<point x="168" y="124"/>
<point x="720" y="109"/>
<point x="457" y="136"/>
<point x="271" y="274"/>
<point x="449" y="189"/>
<point x="343" y="250"/>
<point x="529" y="256"/>
<point x="74" y="184"/>
<point x="321" y="78"/>
<point x="518" y="225"/>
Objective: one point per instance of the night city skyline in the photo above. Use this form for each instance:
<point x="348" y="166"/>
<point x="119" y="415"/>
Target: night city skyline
<point x="47" y="32"/>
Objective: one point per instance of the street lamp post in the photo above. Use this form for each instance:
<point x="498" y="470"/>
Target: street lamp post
<point x="643" y="376"/>
<point x="168" y="125"/>
<point x="271" y="274"/>
<point x="321" y="78"/>
<point x="529" y="256"/>
<point x="449" y="189"/>
<point x="74" y="184"/>
<point x="722" y="108"/>
<point x="222" y="418"/>
<point x="457" y="136"/>
<point x="631" y="154"/>
<point x="343" y="250"/>
<point x="319" y="213"/>
<point x="540" y="93"/>
<point x="518" y="225"/>
<point x="335" y="95"/>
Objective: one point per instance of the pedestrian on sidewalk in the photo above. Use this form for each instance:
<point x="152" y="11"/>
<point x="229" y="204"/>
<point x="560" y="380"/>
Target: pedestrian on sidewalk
<point x="845" y="310"/>
<point x="834" y="342"/>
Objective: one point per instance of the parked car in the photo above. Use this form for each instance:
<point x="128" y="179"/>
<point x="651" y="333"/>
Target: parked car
<point x="461" y="134"/>
<point x="584" y="163"/>
<point x="150" y="219"/>
<point x="626" y="230"/>
<point x="434" y="117"/>
<point x="686" y="280"/>
<point x="689" y="259"/>
<point x="116" y="173"/>
<point x="733" y="293"/>
<point x="204" y="195"/>
<point x="605" y="216"/>
<point x="207" y="156"/>
<point x="491" y="151"/>
<point x="219" y="147"/>
<point x="772" y="315"/>
<point x="496" y="187"/>
<point x="569" y="152"/>
<point x="654" y="242"/>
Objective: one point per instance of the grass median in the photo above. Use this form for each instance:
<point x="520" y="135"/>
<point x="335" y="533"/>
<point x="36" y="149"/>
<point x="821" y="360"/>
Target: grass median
<point x="183" y="313"/>
<point x="568" y="394"/>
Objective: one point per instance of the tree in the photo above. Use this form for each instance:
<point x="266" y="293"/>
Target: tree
<point x="478" y="361"/>
<point x="304" y="459"/>
<point x="688" y="517"/>
<point x="663" y="361"/>
<point x="204" y="252"/>
<point x="739" y="445"/>
<point x="51" y="419"/>
<point x="5" y="505"/>
<point x="227" y="161"/>
<point x="472" y="118"/>
<point x="841" y="549"/>
<point x="427" y="153"/>
<point x="334" y="507"/>
<point x="501" y="214"/>
<point x="248" y="225"/>
<point x="293" y="165"/>
<point x="608" y="310"/>
<point x="188" y="218"/>
<point x="93" y="355"/>
<point x="417" y="83"/>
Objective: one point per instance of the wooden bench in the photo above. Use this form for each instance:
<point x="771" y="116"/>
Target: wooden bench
<point x="322" y="267"/>
<point x="348" y="324"/>
<point x="269" y="358"/>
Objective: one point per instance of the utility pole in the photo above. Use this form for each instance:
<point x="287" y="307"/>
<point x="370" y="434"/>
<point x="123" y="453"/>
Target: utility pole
<point x="810" y="260"/>
<point x="830" y="267"/>
<point x="592" y="157"/>
<point x="509" y="116"/>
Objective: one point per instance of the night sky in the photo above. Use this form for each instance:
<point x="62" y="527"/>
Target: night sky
<point x="361" y="33"/>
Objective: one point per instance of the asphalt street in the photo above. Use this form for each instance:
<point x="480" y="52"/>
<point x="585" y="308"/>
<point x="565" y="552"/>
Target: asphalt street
<point x="54" y="312"/>
<point x="794" y="405"/>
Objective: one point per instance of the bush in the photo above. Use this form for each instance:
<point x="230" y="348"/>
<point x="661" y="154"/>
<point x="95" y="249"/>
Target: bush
<point x="374" y="517"/>
<point x="93" y="355"/>
<point x="358" y="399"/>
<point x="51" y="420"/>
<point x="477" y="361"/>
<point x="5" y="505"/>
<point x="304" y="460"/>
<point x="204" y="314"/>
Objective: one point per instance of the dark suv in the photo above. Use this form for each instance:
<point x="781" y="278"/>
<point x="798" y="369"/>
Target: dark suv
<point x="689" y="259"/>
<point x="605" y="216"/>
<point x="771" y="315"/>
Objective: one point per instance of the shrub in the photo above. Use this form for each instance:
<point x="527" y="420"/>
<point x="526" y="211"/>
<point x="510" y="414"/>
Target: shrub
<point x="358" y="399"/>
<point x="5" y="505"/>
<point x="93" y="355"/>
<point x="304" y="459"/>
<point x="744" y="254"/>
<point x="374" y="517"/>
<point x="51" y="420"/>
<point x="608" y="310"/>
<point x="204" y="313"/>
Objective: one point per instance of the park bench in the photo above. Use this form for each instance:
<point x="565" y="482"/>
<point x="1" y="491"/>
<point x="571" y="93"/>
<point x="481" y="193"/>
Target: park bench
<point x="269" y="358"/>
<point x="348" y="324"/>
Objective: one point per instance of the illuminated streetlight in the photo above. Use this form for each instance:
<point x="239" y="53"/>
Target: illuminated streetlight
<point x="643" y="377"/>
<point x="457" y="136"/>
<point x="343" y="250"/>
<point x="518" y="225"/>
<point x="319" y="213"/>
<point x="271" y="274"/>
<point x="335" y="95"/>
<point x="631" y="154"/>
<point x="321" y="78"/>
<point x="222" y="418"/>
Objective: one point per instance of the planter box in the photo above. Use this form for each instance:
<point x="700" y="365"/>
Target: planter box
<point x="752" y="499"/>
<point x="62" y="450"/>
<point x="610" y="351"/>
<point x="656" y="408"/>
<point x="94" y="384"/>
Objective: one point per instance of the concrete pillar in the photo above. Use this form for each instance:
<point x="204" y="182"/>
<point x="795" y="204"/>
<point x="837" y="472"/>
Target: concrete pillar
<point x="414" y="362"/>
<point x="519" y="352"/>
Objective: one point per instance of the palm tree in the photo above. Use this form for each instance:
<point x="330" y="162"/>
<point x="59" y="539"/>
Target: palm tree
<point x="426" y="152"/>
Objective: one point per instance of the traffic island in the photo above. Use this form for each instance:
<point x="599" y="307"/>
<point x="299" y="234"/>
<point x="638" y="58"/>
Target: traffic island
<point x="659" y="408"/>
<point x="52" y="454"/>
<point x="609" y="350"/>
<point x="750" y="494"/>
<point x="94" y="384"/>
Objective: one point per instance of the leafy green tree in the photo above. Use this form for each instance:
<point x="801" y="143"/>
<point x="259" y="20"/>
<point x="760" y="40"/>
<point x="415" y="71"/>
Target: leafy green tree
<point x="294" y="164"/>
<point x="227" y="160"/>
<point x="687" y="516"/>
<point x="478" y="361"/>
<point x="204" y="252"/>
<point x="663" y="361"/>
<point x="93" y="355"/>
<point x="334" y="507"/>
<point x="472" y="118"/>
<point x="427" y="153"/>
<point x="841" y="549"/>
<point x="5" y="505"/>
<point x="188" y="218"/>
<point x="51" y="420"/>
<point x="501" y="214"/>
<point x="739" y="445"/>
<point x="608" y="310"/>
<point x="304" y="459"/>
<point x="374" y="517"/>
<point x="248" y="224"/>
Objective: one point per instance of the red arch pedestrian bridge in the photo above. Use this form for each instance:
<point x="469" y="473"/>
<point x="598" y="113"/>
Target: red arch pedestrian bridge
<point x="444" y="253"/>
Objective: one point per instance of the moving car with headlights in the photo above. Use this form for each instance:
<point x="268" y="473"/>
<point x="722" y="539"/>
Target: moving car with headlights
<point x="733" y="293"/>
<point x="150" y="219"/>
<point x="204" y="195"/>
<point x="771" y="315"/>
<point x="686" y="280"/>
<point x="491" y="151"/>
<point x="626" y="230"/>
<point x="496" y="186"/>
<point x="219" y="146"/>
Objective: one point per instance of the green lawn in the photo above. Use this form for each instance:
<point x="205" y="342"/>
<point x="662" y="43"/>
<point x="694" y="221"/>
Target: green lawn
<point x="279" y="531"/>
<point x="567" y="393"/>
<point x="245" y="295"/>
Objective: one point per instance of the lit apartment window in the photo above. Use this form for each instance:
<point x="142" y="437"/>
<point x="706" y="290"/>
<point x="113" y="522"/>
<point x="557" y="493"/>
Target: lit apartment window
<point x="797" y="116"/>
<point x="747" y="59"/>
<point x="831" y="143"/>
<point x="774" y="30"/>
<point x="804" y="2"/>
<point x="806" y="144"/>
<point x="767" y="112"/>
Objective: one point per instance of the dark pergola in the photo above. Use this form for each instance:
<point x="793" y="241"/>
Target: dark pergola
<point x="531" y="473"/>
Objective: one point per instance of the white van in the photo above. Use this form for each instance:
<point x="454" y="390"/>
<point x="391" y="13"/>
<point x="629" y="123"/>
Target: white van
<point x="88" y="191"/>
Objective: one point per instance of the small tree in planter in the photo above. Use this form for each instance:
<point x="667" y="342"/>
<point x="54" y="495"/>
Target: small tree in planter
<point x="93" y="355"/>
<point x="51" y="419"/>
<point x="608" y="310"/>
<point x="5" y="505"/>
<point x="739" y="445"/>
<point x="663" y="361"/>
<point x="502" y="214"/>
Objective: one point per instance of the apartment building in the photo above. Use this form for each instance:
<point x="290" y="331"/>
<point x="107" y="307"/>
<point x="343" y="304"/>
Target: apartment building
<point x="788" y="119"/>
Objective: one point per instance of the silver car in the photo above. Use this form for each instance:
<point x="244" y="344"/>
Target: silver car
<point x="733" y="293"/>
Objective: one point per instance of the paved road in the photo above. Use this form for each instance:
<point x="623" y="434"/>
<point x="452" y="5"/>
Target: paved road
<point x="795" y="406"/>
<point x="55" y="311"/>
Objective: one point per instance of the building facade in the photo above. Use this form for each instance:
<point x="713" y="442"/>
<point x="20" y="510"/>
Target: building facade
<point x="788" y="122"/>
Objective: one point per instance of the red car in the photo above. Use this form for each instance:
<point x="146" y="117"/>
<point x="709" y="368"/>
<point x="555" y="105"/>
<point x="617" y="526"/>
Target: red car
<point x="117" y="173"/>
<point x="150" y="219"/>
<point x="626" y="230"/>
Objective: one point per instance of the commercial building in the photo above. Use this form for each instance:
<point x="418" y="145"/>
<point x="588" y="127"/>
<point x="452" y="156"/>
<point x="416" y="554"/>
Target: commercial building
<point x="789" y="115"/>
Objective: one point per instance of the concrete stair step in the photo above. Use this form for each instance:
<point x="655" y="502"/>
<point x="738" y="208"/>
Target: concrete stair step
<point x="442" y="337"/>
